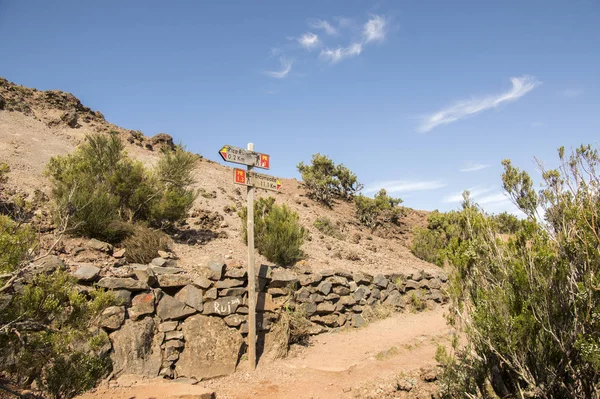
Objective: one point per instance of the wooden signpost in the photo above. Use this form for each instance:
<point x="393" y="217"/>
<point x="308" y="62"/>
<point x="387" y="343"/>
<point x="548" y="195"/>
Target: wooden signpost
<point x="251" y="180"/>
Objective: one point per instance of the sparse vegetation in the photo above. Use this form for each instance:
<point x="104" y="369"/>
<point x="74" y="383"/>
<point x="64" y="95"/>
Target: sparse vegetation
<point x="443" y="233"/>
<point x="383" y="355"/>
<point x="292" y="327"/>
<point x="378" y="311"/>
<point x="41" y="329"/>
<point x="529" y="307"/>
<point x="417" y="303"/>
<point x="380" y="209"/>
<point x="325" y="181"/>
<point x="441" y="240"/>
<point x="45" y="322"/>
<point x="16" y="240"/>
<point x="142" y="244"/>
<point x="352" y="256"/>
<point x="98" y="189"/>
<point x="327" y="227"/>
<point x="278" y="234"/>
<point x="72" y="373"/>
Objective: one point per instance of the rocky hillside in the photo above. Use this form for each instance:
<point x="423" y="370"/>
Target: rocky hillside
<point x="36" y="125"/>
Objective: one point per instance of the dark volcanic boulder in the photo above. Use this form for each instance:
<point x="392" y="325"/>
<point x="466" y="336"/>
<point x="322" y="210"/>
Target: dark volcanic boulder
<point x="211" y="350"/>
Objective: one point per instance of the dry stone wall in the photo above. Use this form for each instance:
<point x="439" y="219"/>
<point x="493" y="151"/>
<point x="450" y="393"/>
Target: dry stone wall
<point x="174" y="324"/>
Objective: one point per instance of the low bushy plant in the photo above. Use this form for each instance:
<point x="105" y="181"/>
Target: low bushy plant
<point x="527" y="309"/>
<point x="327" y="227"/>
<point x="71" y="374"/>
<point x="380" y="209"/>
<point x="278" y="235"/>
<point x="142" y="244"/>
<point x="325" y="181"/>
<point x="441" y="240"/>
<point x="98" y="189"/>
<point x="41" y="328"/>
<point x="16" y="240"/>
<point x="45" y="320"/>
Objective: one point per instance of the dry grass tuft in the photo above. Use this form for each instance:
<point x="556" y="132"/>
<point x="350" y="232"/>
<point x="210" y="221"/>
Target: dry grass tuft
<point x="144" y="243"/>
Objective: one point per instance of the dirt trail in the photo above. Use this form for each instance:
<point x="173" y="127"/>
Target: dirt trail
<point x="337" y="365"/>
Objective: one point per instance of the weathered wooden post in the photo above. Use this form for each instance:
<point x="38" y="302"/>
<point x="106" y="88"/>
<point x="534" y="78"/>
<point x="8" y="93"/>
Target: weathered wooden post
<point x="250" y="179"/>
<point x="251" y="273"/>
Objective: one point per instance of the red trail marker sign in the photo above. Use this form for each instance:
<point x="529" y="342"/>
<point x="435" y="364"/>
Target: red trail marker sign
<point x="258" y="180"/>
<point x="233" y="154"/>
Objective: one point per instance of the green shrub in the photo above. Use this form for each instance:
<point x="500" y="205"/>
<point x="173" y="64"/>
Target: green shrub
<point x="507" y="223"/>
<point x="174" y="174"/>
<point x="327" y="227"/>
<point x="4" y="169"/>
<point x="441" y="241"/>
<point x="528" y="308"/>
<point x="98" y="187"/>
<point x="278" y="234"/>
<point x="142" y="245"/>
<point x="380" y="209"/>
<point x="417" y="303"/>
<point x="41" y="327"/>
<point x="71" y="374"/>
<point x="325" y="181"/>
<point x="428" y="245"/>
<point x="15" y="242"/>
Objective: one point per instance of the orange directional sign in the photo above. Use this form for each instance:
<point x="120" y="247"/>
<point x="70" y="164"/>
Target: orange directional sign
<point x="245" y="157"/>
<point x="258" y="180"/>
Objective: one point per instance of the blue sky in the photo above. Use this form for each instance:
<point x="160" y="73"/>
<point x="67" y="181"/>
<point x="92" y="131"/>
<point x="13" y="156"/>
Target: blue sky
<point x="424" y="98"/>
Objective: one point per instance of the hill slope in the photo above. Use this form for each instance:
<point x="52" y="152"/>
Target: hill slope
<point x="36" y="125"/>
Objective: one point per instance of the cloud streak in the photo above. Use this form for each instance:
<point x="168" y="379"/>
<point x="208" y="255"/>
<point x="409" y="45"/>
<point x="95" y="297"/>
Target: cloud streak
<point x="475" y="167"/>
<point x="286" y="67"/>
<point x="309" y="40"/>
<point x="520" y="86"/>
<point x="403" y="186"/>
<point x="490" y="198"/>
<point x="572" y="92"/>
<point x="341" y="53"/>
<point x="375" y="29"/>
<point x="474" y="192"/>
<point x="325" y="26"/>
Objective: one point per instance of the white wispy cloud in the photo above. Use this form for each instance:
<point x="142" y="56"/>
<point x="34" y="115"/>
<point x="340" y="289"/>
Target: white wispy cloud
<point x="492" y="199"/>
<point x="474" y="192"/>
<point x="474" y="167"/>
<point x="340" y="53"/>
<point x="286" y="67"/>
<point x="375" y="29"/>
<point x="402" y="186"/>
<point x="520" y="86"/>
<point x="572" y="92"/>
<point x="323" y="25"/>
<point x="309" y="40"/>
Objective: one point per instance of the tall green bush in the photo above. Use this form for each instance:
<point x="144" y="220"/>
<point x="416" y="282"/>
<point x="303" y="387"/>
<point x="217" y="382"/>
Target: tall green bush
<point x="278" y="235"/>
<point x="43" y="330"/>
<point x="16" y="240"/>
<point x="528" y="308"/>
<point x="326" y="226"/>
<point x="370" y="211"/>
<point x="45" y="321"/>
<point x="98" y="188"/>
<point x="440" y="241"/>
<point x="324" y="180"/>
